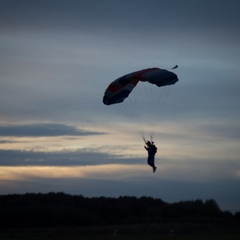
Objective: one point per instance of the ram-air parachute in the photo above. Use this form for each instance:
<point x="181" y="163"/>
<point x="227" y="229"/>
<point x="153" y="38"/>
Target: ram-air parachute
<point x="120" y="90"/>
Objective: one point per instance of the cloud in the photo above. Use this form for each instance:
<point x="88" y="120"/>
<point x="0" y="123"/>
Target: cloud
<point x="219" y="130"/>
<point x="188" y="169"/>
<point x="43" y="130"/>
<point x="83" y="157"/>
<point x="5" y="141"/>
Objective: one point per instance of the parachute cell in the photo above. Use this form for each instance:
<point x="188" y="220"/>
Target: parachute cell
<point x="120" y="89"/>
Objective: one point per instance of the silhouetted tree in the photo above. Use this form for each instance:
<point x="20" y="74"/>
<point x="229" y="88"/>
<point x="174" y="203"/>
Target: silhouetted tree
<point x="60" y="209"/>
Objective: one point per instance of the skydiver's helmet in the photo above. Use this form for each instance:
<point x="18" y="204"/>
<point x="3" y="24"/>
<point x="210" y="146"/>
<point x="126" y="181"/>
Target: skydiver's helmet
<point x="148" y="143"/>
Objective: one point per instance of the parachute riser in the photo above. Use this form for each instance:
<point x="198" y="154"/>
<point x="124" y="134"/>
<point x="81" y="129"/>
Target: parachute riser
<point x="151" y="138"/>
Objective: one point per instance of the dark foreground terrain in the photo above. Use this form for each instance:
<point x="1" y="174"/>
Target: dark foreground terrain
<point x="62" y="216"/>
<point x="139" y="232"/>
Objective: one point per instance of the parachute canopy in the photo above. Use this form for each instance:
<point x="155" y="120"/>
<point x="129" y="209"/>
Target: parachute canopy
<point x="120" y="89"/>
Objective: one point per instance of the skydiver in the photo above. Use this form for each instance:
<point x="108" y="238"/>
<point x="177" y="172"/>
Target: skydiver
<point x="151" y="149"/>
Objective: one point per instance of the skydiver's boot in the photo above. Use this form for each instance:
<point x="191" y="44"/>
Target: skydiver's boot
<point x="154" y="169"/>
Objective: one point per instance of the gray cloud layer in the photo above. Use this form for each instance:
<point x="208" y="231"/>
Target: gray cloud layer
<point x="43" y="130"/>
<point x="64" y="158"/>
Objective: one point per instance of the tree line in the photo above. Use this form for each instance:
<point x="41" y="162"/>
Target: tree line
<point x="60" y="209"/>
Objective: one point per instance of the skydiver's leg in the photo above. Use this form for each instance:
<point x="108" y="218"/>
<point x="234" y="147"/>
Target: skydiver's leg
<point x="151" y="163"/>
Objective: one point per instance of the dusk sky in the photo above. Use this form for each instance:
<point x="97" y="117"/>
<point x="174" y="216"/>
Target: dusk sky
<point x="58" y="57"/>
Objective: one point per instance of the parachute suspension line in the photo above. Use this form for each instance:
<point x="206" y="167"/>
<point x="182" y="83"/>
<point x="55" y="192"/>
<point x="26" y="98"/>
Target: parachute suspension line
<point x="153" y="91"/>
<point x="122" y="110"/>
<point x="162" y="97"/>
<point x="145" y="107"/>
<point x="140" y="105"/>
<point x="145" y="104"/>
<point x="131" y="105"/>
<point x="153" y="110"/>
<point x="154" y="106"/>
<point x="134" y="106"/>
<point x="165" y="92"/>
<point x="131" y="109"/>
<point x="149" y="109"/>
<point x="158" y="109"/>
<point x="127" y="109"/>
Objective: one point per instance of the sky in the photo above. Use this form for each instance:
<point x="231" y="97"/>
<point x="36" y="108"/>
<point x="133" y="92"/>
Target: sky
<point x="58" y="57"/>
